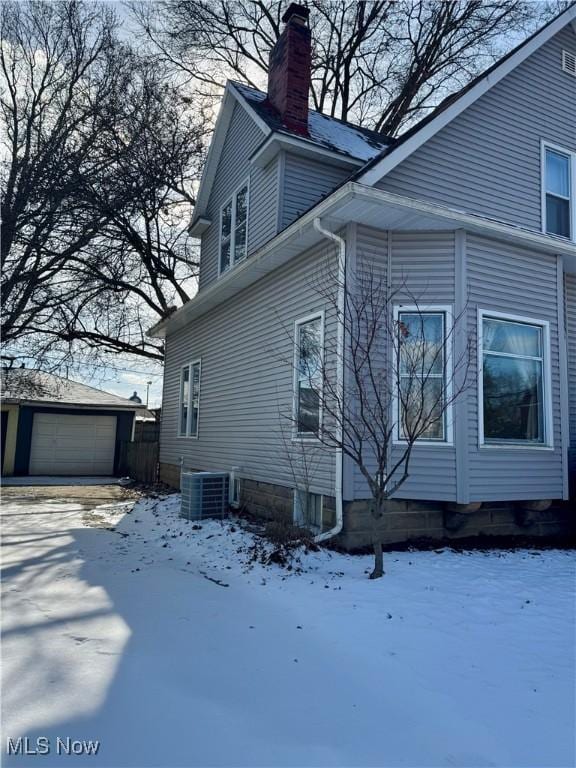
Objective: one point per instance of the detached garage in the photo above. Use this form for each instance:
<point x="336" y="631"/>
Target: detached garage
<point x="54" y="426"/>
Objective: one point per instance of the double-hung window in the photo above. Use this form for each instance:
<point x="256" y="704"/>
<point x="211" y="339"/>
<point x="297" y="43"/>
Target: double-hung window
<point x="308" y="375"/>
<point x="514" y="388"/>
<point x="233" y="229"/>
<point x="558" y="199"/>
<point x="189" y="400"/>
<point x="422" y="358"/>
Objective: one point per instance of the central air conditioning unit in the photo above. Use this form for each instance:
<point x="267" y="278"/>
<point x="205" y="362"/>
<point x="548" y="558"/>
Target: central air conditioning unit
<point x="204" y="494"/>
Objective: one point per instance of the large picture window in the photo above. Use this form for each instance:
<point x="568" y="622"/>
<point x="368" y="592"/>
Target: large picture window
<point x="513" y="381"/>
<point x="559" y="207"/>
<point x="233" y="229"/>
<point x="422" y="363"/>
<point x="189" y="400"/>
<point x="308" y="375"/>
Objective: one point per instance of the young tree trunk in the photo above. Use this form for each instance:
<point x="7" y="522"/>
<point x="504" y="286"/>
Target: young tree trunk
<point x="378" y="571"/>
<point x="377" y="512"/>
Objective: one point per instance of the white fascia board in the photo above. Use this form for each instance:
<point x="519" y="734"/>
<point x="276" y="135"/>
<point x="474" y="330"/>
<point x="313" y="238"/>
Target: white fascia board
<point x="279" y="141"/>
<point x="135" y="407"/>
<point x="261" y="262"/>
<point x="248" y="107"/>
<point x="231" y="96"/>
<point x="406" y="148"/>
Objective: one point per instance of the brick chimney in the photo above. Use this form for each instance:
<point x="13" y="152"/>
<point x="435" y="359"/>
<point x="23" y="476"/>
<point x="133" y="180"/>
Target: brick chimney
<point x="289" y="70"/>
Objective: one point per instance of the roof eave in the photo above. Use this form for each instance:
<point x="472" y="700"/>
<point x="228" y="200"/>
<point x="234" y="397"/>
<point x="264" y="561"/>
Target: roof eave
<point x="231" y="95"/>
<point x="377" y="168"/>
<point x="198" y="226"/>
<point x="275" y="252"/>
<point x="83" y="406"/>
<point x="278" y="141"/>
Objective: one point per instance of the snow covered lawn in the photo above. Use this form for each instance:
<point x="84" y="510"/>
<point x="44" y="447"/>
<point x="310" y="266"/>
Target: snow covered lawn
<point x="127" y="625"/>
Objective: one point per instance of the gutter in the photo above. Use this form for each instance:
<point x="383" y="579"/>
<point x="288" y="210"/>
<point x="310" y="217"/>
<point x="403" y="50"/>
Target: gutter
<point x="261" y="262"/>
<point x="340" y="340"/>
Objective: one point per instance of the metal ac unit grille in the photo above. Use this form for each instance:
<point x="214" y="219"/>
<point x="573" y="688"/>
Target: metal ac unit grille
<point x="204" y="494"/>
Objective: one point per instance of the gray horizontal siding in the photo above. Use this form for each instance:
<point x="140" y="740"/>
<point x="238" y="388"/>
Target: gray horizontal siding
<point x="500" y="278"/>
<point x="422" y="270"/>
<point x="305" y="182"/>
<point x="279" y="193"/>
<point x="263" y="211"/>
<point x="242" y="140"/>
<point x="507" y="279"/>
<point x="570" y="294"/>
<point x="487" y="160"/>
<point x="246" y="348"/>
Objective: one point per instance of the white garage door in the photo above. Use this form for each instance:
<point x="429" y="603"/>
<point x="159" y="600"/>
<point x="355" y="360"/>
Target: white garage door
<point x="65" y="444"/>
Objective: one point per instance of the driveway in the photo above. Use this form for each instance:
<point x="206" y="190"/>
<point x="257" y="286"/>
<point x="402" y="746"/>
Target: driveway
<point x="61" y="636"/>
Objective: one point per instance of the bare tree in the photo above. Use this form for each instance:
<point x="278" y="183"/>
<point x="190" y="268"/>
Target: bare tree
<point x="381" y="64"/>
<point x="99" y="158"/>
<point x="401" y="371"/>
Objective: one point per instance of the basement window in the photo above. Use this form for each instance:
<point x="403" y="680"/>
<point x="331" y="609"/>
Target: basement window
<point x="234" y="229"/>
<point x="308" y="510"/>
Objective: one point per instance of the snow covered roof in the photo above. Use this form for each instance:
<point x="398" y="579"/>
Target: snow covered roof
<point x="328" y="132"/>
<point x="346" y="144"/>
<point x="25" y="385"/>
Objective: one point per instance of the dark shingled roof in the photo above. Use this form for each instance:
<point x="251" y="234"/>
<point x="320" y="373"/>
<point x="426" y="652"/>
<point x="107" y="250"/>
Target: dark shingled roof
<point x="26" y="385"/>
<point x="328" y="132"/>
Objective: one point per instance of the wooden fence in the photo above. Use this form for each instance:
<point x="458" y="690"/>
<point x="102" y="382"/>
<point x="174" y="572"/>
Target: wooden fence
<point x="139" y="461"/>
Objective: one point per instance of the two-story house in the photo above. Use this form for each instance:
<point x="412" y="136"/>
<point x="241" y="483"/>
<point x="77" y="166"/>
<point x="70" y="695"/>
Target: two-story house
<point x="475" y="206"/>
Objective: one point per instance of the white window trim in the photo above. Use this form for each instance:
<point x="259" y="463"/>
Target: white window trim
<point x="448" y="440"/>
<point x="295" y="508"/>
<point x="304" y="436"/>
<point x="232" y="199"/>
<point x="188" y="435"/>
<point x="547" y="410"/>
<point x="544" y="145"/>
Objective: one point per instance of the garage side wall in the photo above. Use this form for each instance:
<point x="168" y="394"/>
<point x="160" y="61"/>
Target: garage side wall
<point x="124" y="422"/>
<point x="9" y="438"/>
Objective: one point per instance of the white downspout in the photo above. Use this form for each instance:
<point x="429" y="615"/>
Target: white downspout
<point x="341" y="304"/>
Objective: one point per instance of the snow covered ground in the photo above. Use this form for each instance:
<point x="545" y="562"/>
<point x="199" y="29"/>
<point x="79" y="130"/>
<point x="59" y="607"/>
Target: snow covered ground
<point x="127" y="625"/>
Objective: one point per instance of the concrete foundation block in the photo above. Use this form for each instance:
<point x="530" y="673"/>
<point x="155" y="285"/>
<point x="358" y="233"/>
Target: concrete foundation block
<point x="455" y="521"/>
<point x="540" y="505"/>
<point x="463" y="509"/>
<point x="170" y="474"/>
<point x="407" y="520"/>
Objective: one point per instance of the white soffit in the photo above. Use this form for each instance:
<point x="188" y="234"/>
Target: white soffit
<point x="365" y="205"/>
